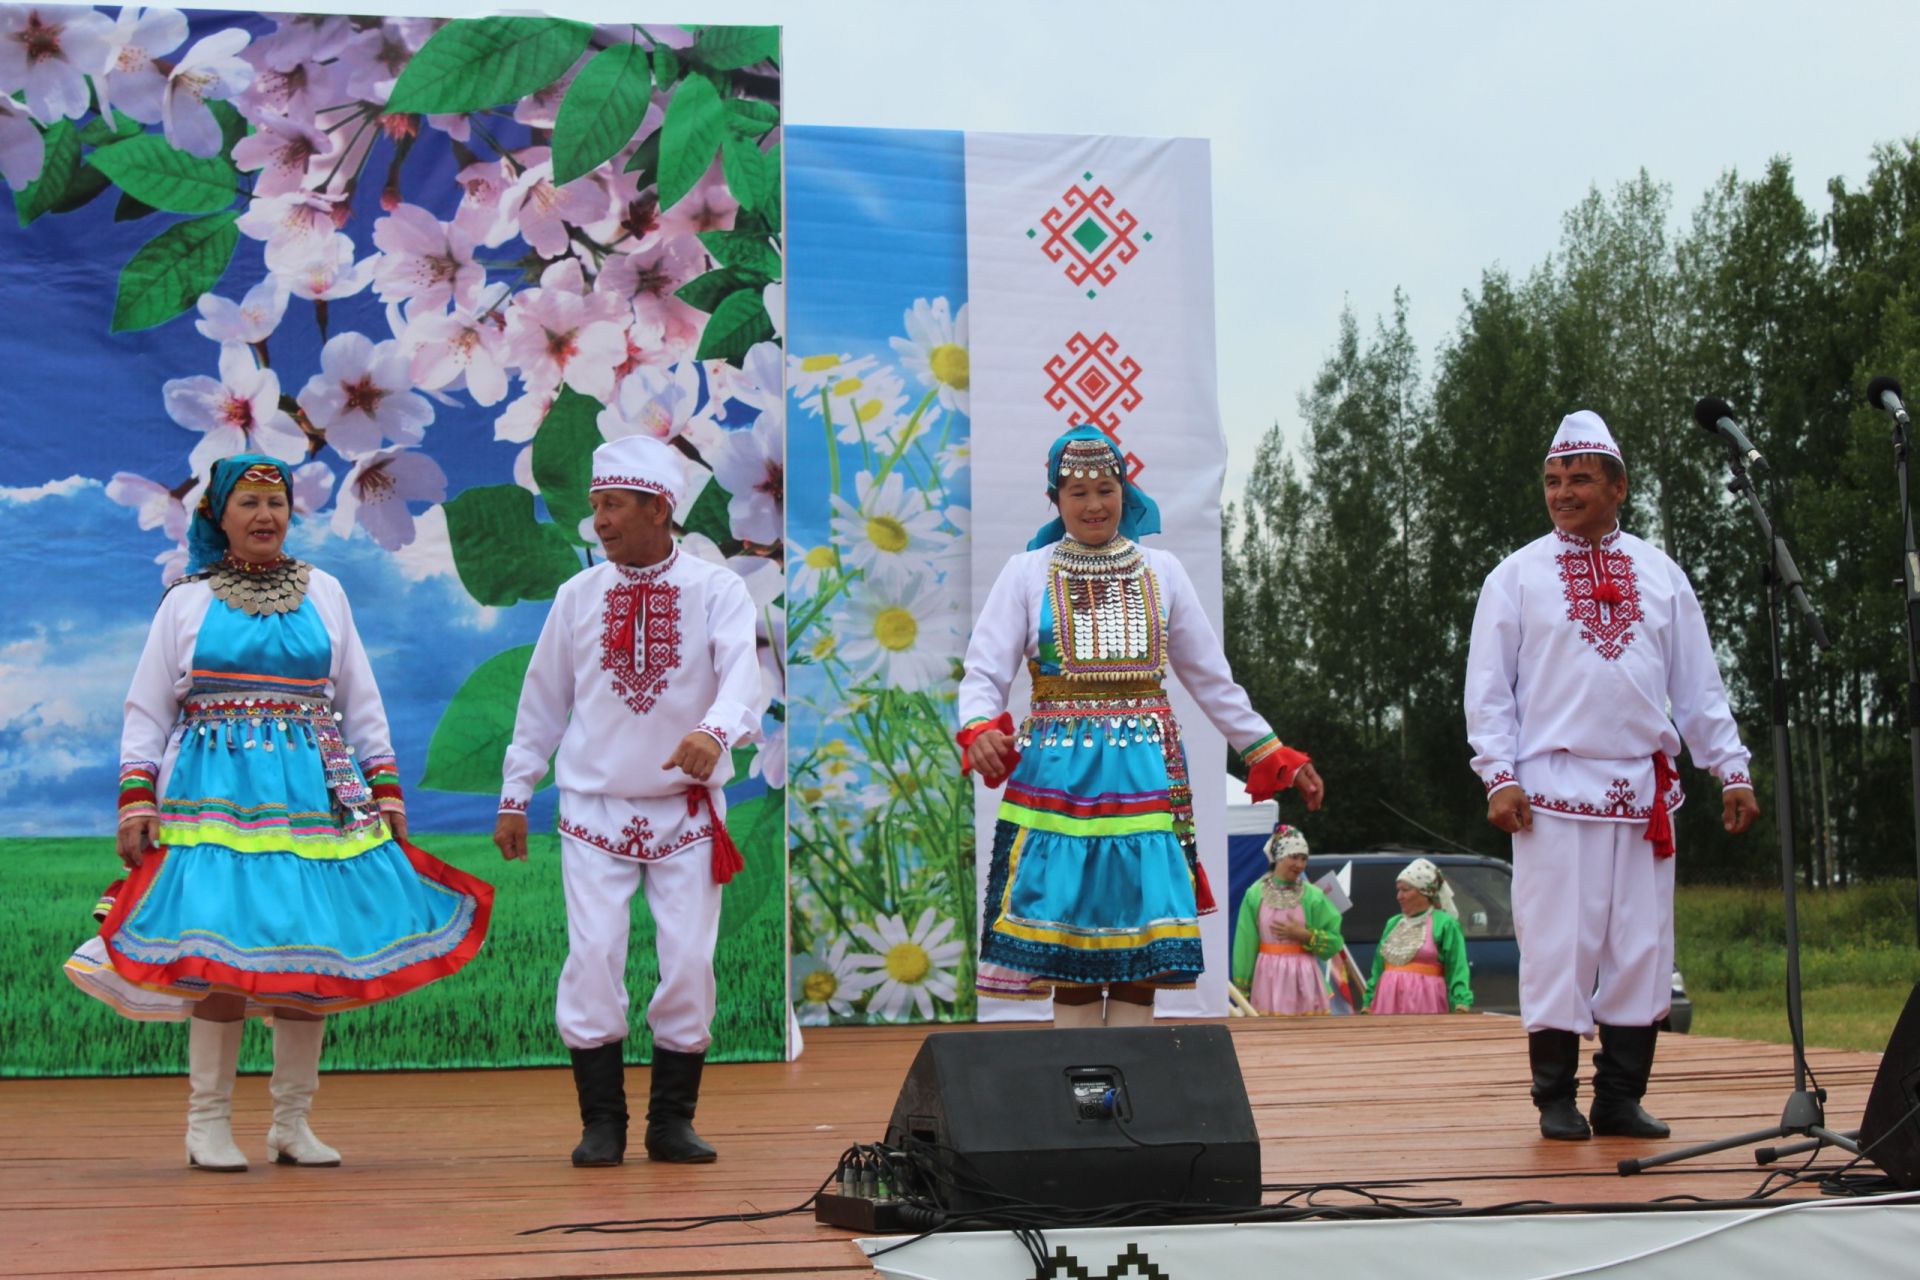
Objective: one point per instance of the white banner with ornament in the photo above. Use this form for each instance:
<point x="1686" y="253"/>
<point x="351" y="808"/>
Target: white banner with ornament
<point x="1090" y="281"/>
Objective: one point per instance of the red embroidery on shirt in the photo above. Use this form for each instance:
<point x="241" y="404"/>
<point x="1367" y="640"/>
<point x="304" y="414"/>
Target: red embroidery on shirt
<point x="1736" y="780"/>
<point x="641" y="664"/>
<point x="1500" y="779"/>
<point x="1619" y="803"/>
<point x="1603" y="596"/>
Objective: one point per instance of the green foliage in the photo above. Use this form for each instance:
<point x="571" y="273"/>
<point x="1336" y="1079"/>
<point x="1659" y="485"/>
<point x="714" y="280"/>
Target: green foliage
<point x="744" y="251"/>
<point x="160" y="175"/>
<point x="730" y="48"/>
<point x="749" y="118"/>
<point x="474" y="63"/>
<point x="709" y="514"/>
<point x="98" y="132"/>
<point x="62" y="159"/>
<point x="563" y="458"/>
<point x="759" y="830"/>
<point x="692" y="132"/>
<point x="503" y="553"/>
<point x="168" y="273"/>
<point x="497" y="1012"/>
<point x="753" y="175"/>
<point x="708" y="291"/>
<point x="602" y="111"/>
<point x="737" y="324"/>
<point x="470" y="743"/>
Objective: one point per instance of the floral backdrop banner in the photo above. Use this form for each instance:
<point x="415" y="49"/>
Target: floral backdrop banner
<point x="432" y="264"/>
<point x="1090" y="281"/>
<point x="880" y="835"/>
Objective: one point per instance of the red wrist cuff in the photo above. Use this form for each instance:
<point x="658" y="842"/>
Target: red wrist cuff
<point x="1274" y="772"/>
<point x="966" y="738"/>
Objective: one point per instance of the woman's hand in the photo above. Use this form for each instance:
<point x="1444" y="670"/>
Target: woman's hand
<point x="134" y="838"/>
<point x="991" y="755"/>
<point x="1306" y="780"/>
<point x="397" y="824"/>
<point x="1291" y="932"/>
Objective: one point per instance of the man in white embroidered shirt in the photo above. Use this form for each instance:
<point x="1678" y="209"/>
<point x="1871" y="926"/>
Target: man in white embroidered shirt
<point x="644" y="676"/>
<point x="1588" y="649"/>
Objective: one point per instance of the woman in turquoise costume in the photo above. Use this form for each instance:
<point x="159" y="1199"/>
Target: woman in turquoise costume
<point x="262" y="824"/>
<point x="1095" y="890"/>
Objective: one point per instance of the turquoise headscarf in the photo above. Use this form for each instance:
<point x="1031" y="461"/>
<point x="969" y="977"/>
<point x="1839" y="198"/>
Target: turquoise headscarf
<point x="205" y="542"/>
<point x="1139" y="514"/>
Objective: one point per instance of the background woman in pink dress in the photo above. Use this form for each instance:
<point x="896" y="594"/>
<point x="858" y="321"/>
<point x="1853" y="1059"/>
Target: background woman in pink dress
<point x="1420" y="965"/>
<point x="1287" y="927"/>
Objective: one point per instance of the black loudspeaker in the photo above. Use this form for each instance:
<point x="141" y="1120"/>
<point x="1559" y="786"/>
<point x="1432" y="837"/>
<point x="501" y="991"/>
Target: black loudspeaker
<point x="1082" y="1118"/>
<point x="1891" y="1125"/>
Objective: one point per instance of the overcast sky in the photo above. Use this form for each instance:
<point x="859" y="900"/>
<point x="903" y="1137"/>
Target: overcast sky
<point x="1359" y="146"/>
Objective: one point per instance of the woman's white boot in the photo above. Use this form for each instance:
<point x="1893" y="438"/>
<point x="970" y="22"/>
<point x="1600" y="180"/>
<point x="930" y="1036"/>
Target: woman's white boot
<point x="296" y="1077"/>
<point x="213" y="1054"/>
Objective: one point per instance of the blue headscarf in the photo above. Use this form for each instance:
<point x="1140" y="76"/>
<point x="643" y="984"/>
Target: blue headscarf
<point x="205" y="542"/>
<point x="1139" y="514"/>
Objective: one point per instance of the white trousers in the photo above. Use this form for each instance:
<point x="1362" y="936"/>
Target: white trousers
<point x="592" y="1005"/>
<point x="1593" y="910"/>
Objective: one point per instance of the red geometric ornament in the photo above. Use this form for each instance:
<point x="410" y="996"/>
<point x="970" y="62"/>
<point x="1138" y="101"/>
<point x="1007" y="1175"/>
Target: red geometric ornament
<point x="1093" y="383"/>
<point x="1089" y="235"/>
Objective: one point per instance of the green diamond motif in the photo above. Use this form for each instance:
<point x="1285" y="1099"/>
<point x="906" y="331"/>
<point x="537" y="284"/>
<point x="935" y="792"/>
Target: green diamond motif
<point x="1089" y="235"/>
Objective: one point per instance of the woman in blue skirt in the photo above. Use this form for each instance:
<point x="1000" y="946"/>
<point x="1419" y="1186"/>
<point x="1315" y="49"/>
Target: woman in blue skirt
<point x="262" y="824"/>
<point x="1094" y="894"/>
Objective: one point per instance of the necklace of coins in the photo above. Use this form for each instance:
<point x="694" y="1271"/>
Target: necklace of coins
<point x="254" y="589"/>
<point x="1106" y="601"/>
<point x="1402" y="944"/>
<point x="1281" y="897"/>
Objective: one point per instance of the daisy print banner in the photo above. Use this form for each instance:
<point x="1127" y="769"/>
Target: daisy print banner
<point x="431" y="264"/>
<point x="882" y="889"/>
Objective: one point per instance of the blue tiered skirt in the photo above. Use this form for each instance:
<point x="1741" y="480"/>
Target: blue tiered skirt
<point x="278" y="878"/>
<point x="1093" y="878"/>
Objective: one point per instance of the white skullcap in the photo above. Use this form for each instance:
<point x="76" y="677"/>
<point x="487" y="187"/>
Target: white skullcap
<point x="1582" y="431"/>
<point x="1424" y="876"/>
<point x="639" y="462"/>
<point x="1284" y="842"/>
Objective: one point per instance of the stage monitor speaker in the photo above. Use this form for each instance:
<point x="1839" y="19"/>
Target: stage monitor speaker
<point x="1030" y="1116"/>
<point x="1891" y="1126"/>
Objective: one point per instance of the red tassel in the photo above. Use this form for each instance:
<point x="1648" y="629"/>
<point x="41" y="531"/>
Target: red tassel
<point x="727" y="862"/>
<point x="1660" y="822"/>
<point x="1608" y="593"/>
<point x="1202" y="891"/>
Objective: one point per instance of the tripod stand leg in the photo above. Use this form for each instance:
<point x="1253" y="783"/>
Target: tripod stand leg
<point x="1844" y="1141"/>
<point x="1706" y="1148"/>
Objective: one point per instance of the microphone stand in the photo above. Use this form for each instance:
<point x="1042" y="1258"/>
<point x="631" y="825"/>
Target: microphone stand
<point x="1910" y="582"/>
<point x="1804" y="1115"/>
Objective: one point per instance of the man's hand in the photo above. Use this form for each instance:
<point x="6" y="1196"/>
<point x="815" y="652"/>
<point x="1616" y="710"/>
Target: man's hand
<point x="991" y="754"/>
<point x="696" y="755"/>
<point x="1306" y="780"/>
<point x="510" y="835"/>
<point x="133" y="839"/>
<point x="1739" y="809"/>
<point x="1508" y="810"/>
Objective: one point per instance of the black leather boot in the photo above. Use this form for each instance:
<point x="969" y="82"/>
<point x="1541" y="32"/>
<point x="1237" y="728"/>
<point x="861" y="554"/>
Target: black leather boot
<point x="600" y="1078"/>
<point x="1620" y="1072"/>
<point x="1555" y="1057"/>
<point x="676" y="1091"/>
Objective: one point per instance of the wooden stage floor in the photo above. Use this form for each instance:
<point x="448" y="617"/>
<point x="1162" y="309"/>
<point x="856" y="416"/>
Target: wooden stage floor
<point x="443" y="1170"/>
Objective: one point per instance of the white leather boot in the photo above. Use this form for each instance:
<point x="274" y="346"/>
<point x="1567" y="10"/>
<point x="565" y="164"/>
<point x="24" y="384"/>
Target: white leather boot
<point x="296" y="1076"/>
<point x="213" y="1052"/>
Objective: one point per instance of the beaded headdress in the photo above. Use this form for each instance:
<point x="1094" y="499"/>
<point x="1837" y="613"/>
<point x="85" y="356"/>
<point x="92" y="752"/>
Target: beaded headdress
<point x="206" y="544"/>
<point x="1083" y="453"/>
<point x="1285" y="842"/>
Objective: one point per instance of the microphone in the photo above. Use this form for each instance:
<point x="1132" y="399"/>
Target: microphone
<point x="1715" y="417"/>
<point x="1885" y="393"/>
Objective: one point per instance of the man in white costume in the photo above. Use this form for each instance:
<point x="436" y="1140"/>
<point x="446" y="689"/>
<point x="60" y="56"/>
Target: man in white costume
<point x="645" y="677"/>
<point x="1588" y="649"/>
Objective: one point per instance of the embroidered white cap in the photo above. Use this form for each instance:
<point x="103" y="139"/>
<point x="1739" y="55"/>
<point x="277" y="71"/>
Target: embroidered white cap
<point x="639" y="462"/>
<point x="1582" y="431"/>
